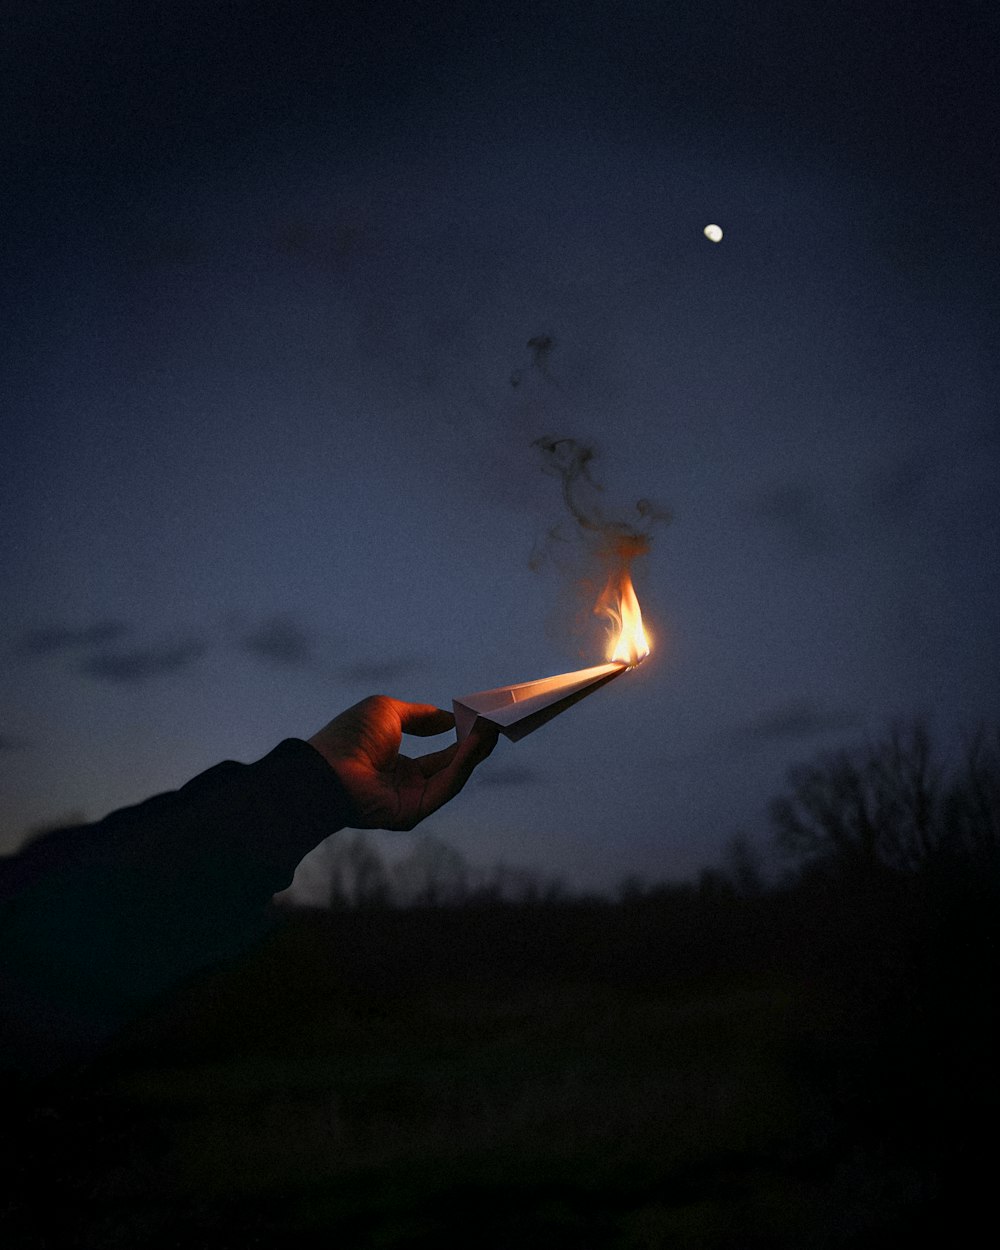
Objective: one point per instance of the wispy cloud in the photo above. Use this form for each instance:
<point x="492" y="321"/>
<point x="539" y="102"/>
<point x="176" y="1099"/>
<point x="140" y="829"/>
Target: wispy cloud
<point x="280" y="642"/>
<point x="898" y="492"/>
<point x="798" y="512"/>
<point x="51" y="639"/>
<point x="793" y="719"/>
<point x="512" y="775"/>
<point x="376" y="671"/>
<point x="813" y="517"/>
<point x="142" y="664"/>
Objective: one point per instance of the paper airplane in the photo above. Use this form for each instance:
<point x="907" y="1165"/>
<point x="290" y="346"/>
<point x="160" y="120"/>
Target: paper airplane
<point x="520" y="709"/>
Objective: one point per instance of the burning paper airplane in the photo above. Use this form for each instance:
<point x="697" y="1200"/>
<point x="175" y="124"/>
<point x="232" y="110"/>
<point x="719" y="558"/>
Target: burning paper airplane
<point x="519" y="709"/>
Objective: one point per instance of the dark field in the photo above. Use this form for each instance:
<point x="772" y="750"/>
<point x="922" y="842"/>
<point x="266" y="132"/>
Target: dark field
<point x="812" y="1067"/>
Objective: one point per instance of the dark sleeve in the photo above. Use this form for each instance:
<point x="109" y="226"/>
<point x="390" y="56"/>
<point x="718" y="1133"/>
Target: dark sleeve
<point x="97" y="921"/>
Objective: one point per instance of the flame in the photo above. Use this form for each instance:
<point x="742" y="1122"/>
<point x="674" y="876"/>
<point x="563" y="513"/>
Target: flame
<point x="628" y="642"/>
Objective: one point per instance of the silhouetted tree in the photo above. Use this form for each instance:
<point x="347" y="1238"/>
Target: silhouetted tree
<point x="505" y="883"/>
<point x="714" y="885"/>
<point x="744" y="865"/>
<point x="56" y="825"/>
<point x="434" y="873"/>
<point x="870" y="808"/>
<point x="892" y="805"/>
<point x="630" y="889"/>
<point x="358" y="877"/>
<point x="971" y="806"/>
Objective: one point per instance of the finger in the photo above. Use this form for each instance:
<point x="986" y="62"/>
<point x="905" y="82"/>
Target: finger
<point x="446" y="783"/>
<point x="436" y="760"/>
<point x="423" y="719"/>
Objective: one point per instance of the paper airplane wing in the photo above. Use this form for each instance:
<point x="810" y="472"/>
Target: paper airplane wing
<point x="520" y="709"/>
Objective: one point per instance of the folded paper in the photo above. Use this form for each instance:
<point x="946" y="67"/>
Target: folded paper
<point x="520" y="709"/>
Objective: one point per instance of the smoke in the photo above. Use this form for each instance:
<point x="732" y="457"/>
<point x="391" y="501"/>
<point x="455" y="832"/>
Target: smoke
<point x="599" y="547"/>
<point x="542" y="347"/>
<point x="607" y="537"/>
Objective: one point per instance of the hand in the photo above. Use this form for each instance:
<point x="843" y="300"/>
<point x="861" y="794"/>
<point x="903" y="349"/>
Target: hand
<point x="389" y="790"/>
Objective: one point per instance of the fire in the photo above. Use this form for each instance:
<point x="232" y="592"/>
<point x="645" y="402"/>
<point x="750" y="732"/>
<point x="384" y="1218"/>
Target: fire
<point x="628" y="642"/>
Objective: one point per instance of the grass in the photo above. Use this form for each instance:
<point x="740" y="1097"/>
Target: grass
<point x="664" y="1073"/>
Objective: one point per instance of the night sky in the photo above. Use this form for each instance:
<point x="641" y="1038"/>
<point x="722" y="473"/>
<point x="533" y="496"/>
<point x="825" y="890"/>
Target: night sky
<point x="288" y="296"/>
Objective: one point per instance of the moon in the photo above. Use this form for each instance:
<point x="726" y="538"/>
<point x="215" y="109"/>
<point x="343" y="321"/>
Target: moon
<point x="713" y="234"/>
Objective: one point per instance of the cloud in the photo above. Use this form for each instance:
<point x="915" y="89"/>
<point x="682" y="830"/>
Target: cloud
<point x="791" y="720"/>
<point x="50" y="639"/>
<point x="132" y="668"/>
<point x="280" y="642"/>
<point x="511" y="775"/>
<point x="377" y="671"/>
<point x="97" y="656"/>
<point x="897" y="493"/>
<point x="813" y="521"/>
<point x="798" y="512"/>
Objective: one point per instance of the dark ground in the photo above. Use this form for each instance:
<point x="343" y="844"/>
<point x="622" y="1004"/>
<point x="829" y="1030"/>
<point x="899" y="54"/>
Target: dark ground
<point x="813" y="1067"/>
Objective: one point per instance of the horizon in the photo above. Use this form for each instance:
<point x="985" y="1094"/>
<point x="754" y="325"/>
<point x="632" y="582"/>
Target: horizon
<point x="292" y="297"/>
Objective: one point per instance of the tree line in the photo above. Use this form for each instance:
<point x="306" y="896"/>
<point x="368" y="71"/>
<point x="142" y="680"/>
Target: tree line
<point x="895" y="806"/>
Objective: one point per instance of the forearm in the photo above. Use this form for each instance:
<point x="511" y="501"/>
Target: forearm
<point x="108" y="916"/>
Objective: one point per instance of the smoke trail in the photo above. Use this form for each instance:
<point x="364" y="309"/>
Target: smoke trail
<point x="570" y="462"/>
<point x="595" y="542"/>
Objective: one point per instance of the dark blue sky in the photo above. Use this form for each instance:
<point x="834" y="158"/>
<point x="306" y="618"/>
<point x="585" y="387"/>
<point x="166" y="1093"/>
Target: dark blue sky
<point x="269" y="282"/>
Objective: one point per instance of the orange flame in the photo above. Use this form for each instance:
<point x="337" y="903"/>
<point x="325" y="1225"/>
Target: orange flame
<point x="628" y="642"/>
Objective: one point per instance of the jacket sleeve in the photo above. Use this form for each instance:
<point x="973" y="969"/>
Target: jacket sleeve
<point x="96" y="921"/>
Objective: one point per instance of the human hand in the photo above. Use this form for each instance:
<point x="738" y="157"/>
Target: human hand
<point x="389" y="790"/>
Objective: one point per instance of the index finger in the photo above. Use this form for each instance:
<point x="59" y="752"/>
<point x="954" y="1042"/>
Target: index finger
<point x="446" y="782"/>
<point x="424" y="719"/>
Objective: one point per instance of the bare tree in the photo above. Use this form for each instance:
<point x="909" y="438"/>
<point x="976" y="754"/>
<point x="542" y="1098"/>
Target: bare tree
<point x="358" y="877"/>
<point x="893" y="805"/>
<point x="872" y="808"/>
<point x="744" y="865"/>
<point x="972" y="805"/>
<point x="433" y="873"/>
